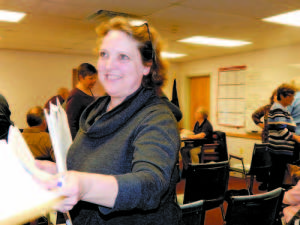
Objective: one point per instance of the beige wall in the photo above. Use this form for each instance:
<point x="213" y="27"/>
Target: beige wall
<point x="30" y="78"/>
<point x="266" y="69"/>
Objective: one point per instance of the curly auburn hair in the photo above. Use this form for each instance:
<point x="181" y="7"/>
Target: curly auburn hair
<point x="147" y="47"/>
<point x="285" y="90"/>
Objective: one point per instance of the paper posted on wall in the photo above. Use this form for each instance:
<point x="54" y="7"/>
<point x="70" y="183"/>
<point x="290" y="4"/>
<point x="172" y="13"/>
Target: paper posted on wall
<point x="22" y="197"/>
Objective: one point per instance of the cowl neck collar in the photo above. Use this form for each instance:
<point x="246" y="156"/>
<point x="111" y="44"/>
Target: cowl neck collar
<point x="95" y="122"/>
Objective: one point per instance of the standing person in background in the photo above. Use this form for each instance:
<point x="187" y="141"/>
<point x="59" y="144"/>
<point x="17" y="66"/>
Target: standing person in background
<point x="5" y="121"/>
<point x="122" y="163"/>
<point x="62" y="95"/>
<point x="294" y="109"/>
<point x="263" y="112"/>
<point x="282" y="135"/>
<point x="81" y="96"/>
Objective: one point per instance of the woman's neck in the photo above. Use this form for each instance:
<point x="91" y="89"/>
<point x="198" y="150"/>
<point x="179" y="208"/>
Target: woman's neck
<point x="282" y="103"/>
<point x="114" y="102"/>
<point x="200" y="121"/>
<point x="84" y="89"/>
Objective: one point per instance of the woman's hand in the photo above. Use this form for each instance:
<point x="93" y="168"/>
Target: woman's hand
<point x="261" y="125"/>
<point x="296" y="138"/>
<point x="47" y="166"/>
<point x="66" y="185"/>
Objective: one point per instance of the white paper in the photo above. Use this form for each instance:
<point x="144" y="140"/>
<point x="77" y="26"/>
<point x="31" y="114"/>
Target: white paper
<point x="20" y="192"/>
<point x="60" y="134"/>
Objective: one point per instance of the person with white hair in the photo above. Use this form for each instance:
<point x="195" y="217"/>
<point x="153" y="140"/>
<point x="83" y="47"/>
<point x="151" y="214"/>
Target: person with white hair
<point x="202" y="130"/>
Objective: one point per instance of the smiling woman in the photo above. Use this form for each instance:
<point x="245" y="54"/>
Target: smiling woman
<point x="122" y="163"/>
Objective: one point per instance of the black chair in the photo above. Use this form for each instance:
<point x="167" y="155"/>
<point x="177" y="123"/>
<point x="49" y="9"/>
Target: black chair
<point x="260" y="209"/>
<point x="216" y="151"/>
<point x="193" y="213"/>
<point x="189" y="144"/>
<point x="207" y="181"/>
<point x="261" y="160"/>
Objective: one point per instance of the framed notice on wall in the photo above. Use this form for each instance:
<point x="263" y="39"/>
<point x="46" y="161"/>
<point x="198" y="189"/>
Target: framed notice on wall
<point x="231" y="97"/>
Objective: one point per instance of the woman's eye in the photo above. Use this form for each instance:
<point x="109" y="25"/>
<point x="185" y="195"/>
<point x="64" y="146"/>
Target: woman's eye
<point x="123" y="57"/>
<point x="102" y="54"/>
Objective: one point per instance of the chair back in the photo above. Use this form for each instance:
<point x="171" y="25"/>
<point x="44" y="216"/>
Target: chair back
<point x="215" y="151"/>
<point x="261" y="158"/>
<point x="260" y="209"/>
<point x="193" y="213"/>
<point x="206" y="181"/>
<point x="220" y="138"/>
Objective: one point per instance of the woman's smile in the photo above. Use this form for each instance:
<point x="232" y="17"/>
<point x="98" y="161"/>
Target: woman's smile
<point x="112" y="76"/>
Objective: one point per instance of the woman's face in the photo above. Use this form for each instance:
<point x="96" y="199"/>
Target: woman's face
<point x="89" y="81"/>
<point x="199" y="116"/>
<point x="288" y="100"/>
<point x="120" y="67"/>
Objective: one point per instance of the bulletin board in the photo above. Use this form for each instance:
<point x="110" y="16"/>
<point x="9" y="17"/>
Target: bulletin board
<point x="231" y="96"/>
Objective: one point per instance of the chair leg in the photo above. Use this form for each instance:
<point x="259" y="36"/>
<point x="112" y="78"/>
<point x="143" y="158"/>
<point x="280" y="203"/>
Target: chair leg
<point x="251" y="184"/>
<point x="222" y="211"/>
<point x="245" y="177"/>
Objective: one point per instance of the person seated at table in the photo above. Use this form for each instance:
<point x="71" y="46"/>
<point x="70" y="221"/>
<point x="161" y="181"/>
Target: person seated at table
<point x="35" y="135"/>
<point x="202" y="133"/>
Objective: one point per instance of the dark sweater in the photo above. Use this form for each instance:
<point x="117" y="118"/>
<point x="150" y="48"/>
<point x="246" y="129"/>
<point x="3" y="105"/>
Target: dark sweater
<point x="138" y="143"/>
<point x="76" y="103"/>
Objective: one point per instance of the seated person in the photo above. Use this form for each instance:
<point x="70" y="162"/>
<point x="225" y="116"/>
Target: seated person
<point x="292" y="199"/>
<point x="36" y="137"/>
<point x="62" y="95"/>
<point x="202" y="130"/>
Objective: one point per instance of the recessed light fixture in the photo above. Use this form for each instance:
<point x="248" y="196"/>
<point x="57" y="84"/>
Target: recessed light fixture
<point x="10" y="16"/>
<point x="172" y="55"/>
<point x="290" y="18"/>
<point x="136" y="22"/>
<point x="202" y="40"/>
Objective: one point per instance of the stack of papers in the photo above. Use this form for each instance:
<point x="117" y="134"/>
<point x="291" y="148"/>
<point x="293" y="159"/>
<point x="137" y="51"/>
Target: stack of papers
<point x="23" y="199"/>
<point x="60" y="134"/>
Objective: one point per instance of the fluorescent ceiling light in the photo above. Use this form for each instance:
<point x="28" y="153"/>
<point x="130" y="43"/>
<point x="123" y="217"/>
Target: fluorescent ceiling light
<point x="201" y="40"/>
<point x="137" y="23"/>
<point x="171" y="55"/>
<point x="10" y="16"/>
<point x="290" y="18"/>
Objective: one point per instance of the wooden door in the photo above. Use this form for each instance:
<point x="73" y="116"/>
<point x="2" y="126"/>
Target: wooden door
<point x="199" y="95"/>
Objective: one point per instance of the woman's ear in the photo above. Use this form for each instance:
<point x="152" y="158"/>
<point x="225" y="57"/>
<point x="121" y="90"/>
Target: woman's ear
<point x="147" y="68"/>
